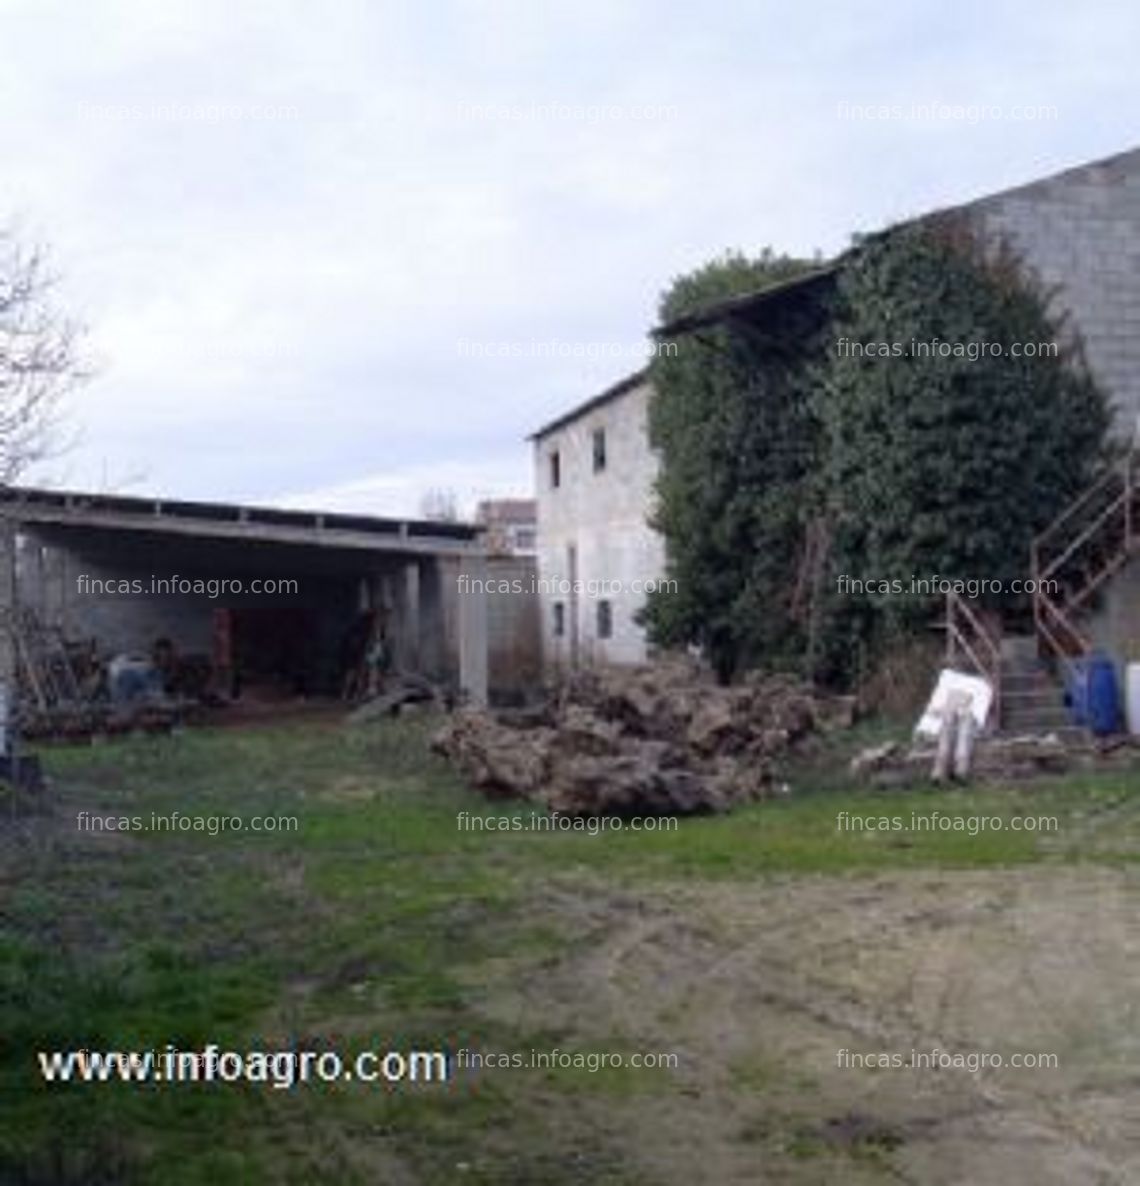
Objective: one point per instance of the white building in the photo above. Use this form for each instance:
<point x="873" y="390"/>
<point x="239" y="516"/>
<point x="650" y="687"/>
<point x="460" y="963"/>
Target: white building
<point x="597" y="554"/>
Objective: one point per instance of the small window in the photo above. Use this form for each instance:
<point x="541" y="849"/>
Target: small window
<point x="525" y="538"/>
<point x="555" y="469"/>
<point x="559" y="619"/>
<point x="599" y="450"/>
<point x="605" y="619"/>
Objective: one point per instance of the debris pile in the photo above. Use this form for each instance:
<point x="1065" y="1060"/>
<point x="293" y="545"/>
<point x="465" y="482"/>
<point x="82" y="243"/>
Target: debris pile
<point x="657" y="740"/>
<point x="997" y="759"/>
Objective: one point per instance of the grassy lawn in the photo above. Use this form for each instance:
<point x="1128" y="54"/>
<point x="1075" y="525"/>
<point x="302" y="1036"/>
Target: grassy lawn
<point x="378" y="924"/>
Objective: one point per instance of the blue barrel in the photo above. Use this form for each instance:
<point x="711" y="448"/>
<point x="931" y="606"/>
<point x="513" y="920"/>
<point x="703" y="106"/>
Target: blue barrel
<point x="1092" y="693"/>
<point x="1076" y="673"/>
<point x="1103" y="696"/>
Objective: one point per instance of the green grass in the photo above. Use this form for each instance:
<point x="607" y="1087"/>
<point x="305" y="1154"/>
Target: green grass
<point x="368" y="927"/>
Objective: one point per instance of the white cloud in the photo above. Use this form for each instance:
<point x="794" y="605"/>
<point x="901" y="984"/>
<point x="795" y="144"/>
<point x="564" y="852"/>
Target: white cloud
<point x="277" y="303"/>
<point x="400" y="493"/>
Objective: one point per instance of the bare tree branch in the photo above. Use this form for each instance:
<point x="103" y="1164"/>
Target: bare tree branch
<point x="39" y="358"/>
<point x="439" y="505"/>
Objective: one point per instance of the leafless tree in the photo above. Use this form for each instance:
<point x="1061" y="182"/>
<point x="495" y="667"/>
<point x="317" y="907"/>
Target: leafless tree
<point x="39" y="357"/>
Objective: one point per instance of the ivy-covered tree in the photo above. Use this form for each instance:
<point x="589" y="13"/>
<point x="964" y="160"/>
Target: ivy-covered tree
<point x="952" y="431"/>
<point x="732" y="422"/>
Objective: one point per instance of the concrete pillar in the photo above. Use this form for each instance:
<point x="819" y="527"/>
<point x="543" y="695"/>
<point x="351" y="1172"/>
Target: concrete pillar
<point x="8" y="656"/>
<point x="68" y="572"/>
<point x="37" y="578"/>
<point x="404" y="588"/>
<point x="433" y="627"/>
<point x="473" y="630"/>
<point x="53" y="586"/>
<point x="412" y="615"/>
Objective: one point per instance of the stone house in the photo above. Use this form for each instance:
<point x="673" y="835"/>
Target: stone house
<point x="1078" y="231"/>
<point x="594" y="474"/>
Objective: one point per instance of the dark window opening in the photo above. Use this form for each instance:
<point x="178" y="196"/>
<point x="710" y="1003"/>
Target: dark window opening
<point x="559" y="619"/>
<point x="599" y="450"/>
<point x="555" y="469"/>
<point x="605" y="619"/>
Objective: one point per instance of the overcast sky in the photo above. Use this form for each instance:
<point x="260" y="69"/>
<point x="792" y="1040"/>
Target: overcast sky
<point x="296" y="231"/>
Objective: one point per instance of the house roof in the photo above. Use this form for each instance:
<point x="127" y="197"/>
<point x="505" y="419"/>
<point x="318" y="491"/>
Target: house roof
<point x="748" y="303"/>
<point x="751" y="304"/>
<point x="596" y="401"/>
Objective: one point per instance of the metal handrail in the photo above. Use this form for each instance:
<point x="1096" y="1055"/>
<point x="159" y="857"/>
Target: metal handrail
<point x="956" y="606"/>
<point x="1122" y="468"/>
<point x="1055" y="564"/>
<point x="1048" y="615"/>
<point x="1046" y="630"/>
<point x="1094" y="582"/>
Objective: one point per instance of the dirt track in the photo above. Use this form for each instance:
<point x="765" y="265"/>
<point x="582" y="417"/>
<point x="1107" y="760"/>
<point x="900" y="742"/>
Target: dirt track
<point x="758" y="988"/>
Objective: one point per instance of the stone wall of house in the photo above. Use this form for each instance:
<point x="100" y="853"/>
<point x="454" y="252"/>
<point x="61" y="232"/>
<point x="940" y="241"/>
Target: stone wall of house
<point x="595" y="544"/>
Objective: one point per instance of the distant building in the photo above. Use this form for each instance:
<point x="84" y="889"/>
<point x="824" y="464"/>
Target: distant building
<point x="597" y="554"/>
<point x="511" y="525"/>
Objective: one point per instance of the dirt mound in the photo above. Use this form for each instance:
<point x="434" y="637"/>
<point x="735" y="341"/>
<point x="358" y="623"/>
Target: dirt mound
<point x="657" y="740"/>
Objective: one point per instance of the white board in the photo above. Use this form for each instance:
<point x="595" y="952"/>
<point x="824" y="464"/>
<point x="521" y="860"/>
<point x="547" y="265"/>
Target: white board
<point x="956" y="689"/>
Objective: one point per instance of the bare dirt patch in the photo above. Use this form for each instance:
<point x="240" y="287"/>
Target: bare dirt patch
<point x="758" y="987"/>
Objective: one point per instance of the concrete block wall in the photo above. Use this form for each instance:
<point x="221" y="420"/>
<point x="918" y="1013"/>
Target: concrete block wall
<point x="514" y="643"/>
<point x="1080" y="232"/>
<point x="61" y="585"/>
<point x="60" y="577"/>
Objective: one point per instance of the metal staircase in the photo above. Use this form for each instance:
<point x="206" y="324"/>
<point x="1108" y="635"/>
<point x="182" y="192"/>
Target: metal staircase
<point x="1070" y="562"/>
<point x="1077" y="553"/>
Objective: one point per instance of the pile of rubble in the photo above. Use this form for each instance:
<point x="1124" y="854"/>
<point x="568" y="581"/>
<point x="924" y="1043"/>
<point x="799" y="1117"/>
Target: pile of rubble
<point x="998" y="759"/>
<point x="657" y="740"/>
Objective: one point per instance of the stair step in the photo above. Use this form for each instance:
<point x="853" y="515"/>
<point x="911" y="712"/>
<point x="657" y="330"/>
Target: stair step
<point x="1069" y="734"/>
<point x="1018" y="648"/>
<point x="1028" y="681"/>
<point x="1031" y="703"/>
<point x="1026" y="700"/>
<point x="1034" y="722"/>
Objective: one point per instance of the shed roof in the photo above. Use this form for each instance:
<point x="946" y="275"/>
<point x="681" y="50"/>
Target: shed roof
<point x="122" y="512"/>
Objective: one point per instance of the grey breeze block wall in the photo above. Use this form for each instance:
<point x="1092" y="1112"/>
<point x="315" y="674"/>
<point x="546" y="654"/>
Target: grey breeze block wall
<point x="1080" y="232"/>
<point x="514" y="646"/>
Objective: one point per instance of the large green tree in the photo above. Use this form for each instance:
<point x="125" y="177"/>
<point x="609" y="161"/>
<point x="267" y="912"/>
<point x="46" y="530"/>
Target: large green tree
<point x="730" y="419"/>
<point x="952" y="431"/>
<point x="925" y="417"/>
